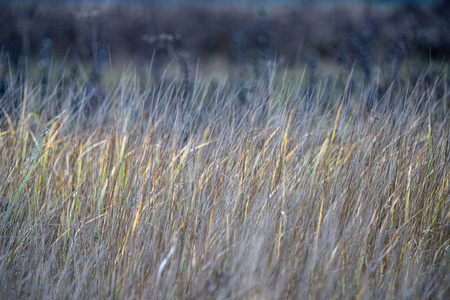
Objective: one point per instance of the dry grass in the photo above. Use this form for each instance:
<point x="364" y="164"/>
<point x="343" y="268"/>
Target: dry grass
<point x="313" y="197"/>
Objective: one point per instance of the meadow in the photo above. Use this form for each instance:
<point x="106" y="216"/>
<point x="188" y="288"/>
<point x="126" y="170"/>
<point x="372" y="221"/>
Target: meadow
<point x="272" y="187"/>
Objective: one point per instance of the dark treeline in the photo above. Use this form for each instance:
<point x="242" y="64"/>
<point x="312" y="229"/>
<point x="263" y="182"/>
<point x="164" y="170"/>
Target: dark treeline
<point x="343" y="33"/>
<point x="364" y="36"/>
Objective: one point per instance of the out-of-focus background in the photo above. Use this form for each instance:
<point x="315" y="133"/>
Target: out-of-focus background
<point x="225" y="33"/>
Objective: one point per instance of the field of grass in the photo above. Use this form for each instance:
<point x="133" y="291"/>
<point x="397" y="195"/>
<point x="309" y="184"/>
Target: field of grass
<point x="274" y="187"/>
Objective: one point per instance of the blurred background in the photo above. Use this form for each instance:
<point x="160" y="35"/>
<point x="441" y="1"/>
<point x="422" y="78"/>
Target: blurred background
<point x="220" y="34"/>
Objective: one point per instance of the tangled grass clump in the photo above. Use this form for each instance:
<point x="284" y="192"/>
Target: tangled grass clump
<point x="320" y="197"/>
